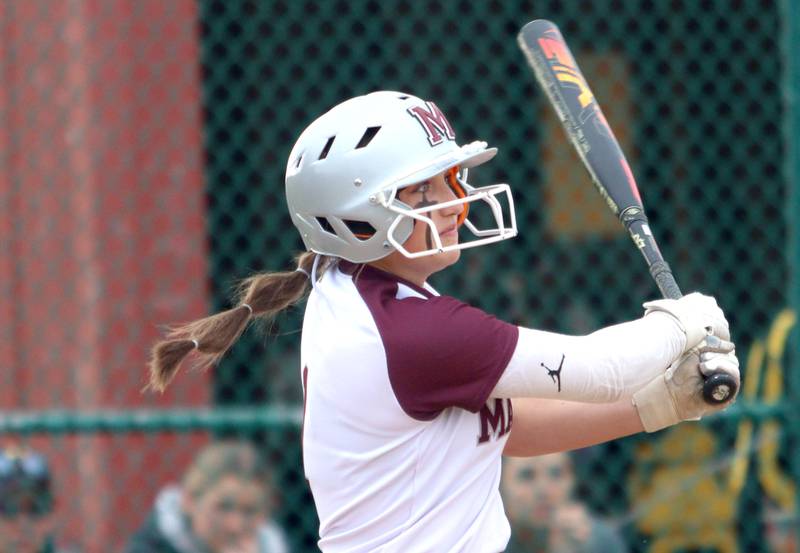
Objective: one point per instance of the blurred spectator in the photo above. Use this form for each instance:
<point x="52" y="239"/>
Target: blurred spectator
<point x="221" y="506"/>
<point x="26" y="502"/>
<point x="680" y="504"/>
<point x="544" y="515"/>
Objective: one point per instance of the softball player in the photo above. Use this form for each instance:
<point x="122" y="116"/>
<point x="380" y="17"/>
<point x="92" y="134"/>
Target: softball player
<point x="408" y="393"/>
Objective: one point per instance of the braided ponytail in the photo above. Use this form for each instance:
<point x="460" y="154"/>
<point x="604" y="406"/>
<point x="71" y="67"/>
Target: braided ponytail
<point x="260" y="296"/>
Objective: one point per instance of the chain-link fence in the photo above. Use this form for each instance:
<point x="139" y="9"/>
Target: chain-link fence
<point x="143" y="146"/>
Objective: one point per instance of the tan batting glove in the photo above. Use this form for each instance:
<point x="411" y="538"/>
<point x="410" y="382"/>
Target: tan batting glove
<point x="697" y="315"/>
<point x="677" y="395"/>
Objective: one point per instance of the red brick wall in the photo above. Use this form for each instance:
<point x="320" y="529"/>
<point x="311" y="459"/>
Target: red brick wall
<point x="102" y="235"/>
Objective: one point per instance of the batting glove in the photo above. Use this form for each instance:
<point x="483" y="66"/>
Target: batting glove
<point x="677" y="395"/>
<point x="697" y="315"/>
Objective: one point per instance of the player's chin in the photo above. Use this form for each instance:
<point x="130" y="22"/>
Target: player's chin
<point x="449" y="258"/>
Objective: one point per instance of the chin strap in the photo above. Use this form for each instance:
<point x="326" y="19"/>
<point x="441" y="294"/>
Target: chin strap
<point x="313" y="276"/>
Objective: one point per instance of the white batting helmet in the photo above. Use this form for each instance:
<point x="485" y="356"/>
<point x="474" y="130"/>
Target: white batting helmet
<point x="344" y="172"/>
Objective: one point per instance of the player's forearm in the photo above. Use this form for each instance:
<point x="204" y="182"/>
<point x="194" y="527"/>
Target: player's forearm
<point x="543" y="426"/>
<point x="605" y="366"/>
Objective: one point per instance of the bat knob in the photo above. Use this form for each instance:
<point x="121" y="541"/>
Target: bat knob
<point x="719" y="388"/>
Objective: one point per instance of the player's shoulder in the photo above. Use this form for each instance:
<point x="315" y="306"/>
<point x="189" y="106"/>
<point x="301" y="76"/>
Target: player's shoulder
<point x="408" y="314"/>
<point x="396" y="296"/>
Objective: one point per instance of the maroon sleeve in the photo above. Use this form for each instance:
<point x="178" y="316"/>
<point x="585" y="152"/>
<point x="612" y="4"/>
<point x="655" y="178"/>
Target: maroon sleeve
<point x="444" y="353"/>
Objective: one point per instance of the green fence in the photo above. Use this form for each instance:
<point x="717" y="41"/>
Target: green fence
<point x="702" y="96"/>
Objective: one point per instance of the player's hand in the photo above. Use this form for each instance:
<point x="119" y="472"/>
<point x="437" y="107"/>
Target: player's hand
<point x="697" y="315"/>
<point x="685" y="376"/>
<point x="677" y="395"/>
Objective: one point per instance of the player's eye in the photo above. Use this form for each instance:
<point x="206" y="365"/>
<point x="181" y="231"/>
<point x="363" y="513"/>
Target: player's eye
<point x="422" y="188"/>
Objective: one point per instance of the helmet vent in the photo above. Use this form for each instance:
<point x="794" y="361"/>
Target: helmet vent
<point x="299" y="159"/>
<point x="325" y="224"/>
<point x="360" y="229"/>
<point x="369" y="134"/>
<point x="327" y="148"/>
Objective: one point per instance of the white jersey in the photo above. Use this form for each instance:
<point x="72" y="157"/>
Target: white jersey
<point x="401" y="443"/>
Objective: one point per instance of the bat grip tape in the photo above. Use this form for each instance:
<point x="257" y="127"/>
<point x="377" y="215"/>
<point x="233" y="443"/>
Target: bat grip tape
<point x="666" y="282"/>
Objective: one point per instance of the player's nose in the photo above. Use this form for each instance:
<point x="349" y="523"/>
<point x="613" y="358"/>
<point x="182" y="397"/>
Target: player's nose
<point x="451" y="210"/>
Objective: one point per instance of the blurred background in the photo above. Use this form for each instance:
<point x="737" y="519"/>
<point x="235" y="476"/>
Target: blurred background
<point x="142" y="151"/>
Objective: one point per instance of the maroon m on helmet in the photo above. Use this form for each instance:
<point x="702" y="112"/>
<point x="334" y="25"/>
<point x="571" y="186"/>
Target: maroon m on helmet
<point x="434" y="122"/>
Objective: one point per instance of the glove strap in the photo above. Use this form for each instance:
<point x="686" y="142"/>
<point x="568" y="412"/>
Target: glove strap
<point x="655" y="406"/>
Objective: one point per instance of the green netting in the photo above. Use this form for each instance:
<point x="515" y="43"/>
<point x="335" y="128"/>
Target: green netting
<point x="143" y="145"/>
<point x="692" y="89"/>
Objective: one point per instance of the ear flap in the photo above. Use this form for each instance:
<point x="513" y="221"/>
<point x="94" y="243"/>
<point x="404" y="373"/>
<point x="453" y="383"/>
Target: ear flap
<point x="451" y="177"/>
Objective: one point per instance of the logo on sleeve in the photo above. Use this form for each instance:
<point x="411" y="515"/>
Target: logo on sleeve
<point x="495" y="422"/>
<point x="436" y="125"/>
<point x="555" y="375"/>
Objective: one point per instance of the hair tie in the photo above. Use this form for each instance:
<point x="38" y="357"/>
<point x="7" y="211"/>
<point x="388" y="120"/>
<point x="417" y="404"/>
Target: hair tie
<point x="196" y="343"/>
<point x="247" y="305"/>
<point x="301" y="270"/>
